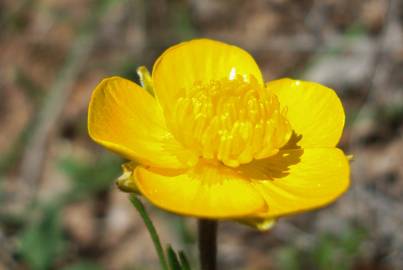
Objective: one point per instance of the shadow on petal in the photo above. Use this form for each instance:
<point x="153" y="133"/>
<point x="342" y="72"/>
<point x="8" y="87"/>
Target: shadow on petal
<point x="276" y="166"/>
<point x="293" y="142"/>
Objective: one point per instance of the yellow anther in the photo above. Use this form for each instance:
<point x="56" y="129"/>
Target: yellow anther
<point x="232" y="121"/>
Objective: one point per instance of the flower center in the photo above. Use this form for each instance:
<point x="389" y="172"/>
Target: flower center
<point x="232" y="121"/>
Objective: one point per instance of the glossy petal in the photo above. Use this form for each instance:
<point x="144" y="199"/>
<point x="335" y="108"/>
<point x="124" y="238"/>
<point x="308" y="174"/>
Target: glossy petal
<point x="314" y="111"/>
<point x="298" y="180"/>
<point x="208" y="191"/>
<point x="200" y="60"/>
<point x="124" y="118"/>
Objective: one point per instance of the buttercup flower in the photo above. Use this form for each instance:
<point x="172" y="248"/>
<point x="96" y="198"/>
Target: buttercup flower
<point x="213" y="140"/>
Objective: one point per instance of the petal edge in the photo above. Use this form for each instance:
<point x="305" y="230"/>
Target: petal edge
<point x="198" y="60"/>
<point x="127" y="120"/>
<point x="314" y="111"/>
<point x="319" y="178"/>
<point x="204" y="191"/>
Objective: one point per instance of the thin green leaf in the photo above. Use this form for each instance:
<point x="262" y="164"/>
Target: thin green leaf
<point x="173" y="259"/>
<point x="151" y="229"/>
<point x="184" y="261"/>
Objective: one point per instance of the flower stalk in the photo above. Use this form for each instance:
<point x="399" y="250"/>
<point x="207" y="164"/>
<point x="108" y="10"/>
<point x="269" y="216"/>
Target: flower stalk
<point x="151" y="229"/>
<point x="207" y="231"/>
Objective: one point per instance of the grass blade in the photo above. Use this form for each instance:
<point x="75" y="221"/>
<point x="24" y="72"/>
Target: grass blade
<point x="184" y="261"/>
<point x="173" y="259"/>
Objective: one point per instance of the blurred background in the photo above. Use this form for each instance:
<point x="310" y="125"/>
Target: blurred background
<point x="59" y="207"/>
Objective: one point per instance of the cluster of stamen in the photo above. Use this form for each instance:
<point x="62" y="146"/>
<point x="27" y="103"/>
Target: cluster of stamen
<point x="230" y="120"/>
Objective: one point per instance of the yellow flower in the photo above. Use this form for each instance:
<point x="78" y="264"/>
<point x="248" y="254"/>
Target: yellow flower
<point x="212" y="140"/>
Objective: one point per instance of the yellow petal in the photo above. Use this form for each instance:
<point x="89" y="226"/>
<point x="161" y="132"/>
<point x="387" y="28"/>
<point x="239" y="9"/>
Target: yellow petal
<point x="300" y="179"/>
<point x="205" y="191"/>
<point x="200" y="60"/>
<point x="124" y="118"/>
<point x="314" y="111"/>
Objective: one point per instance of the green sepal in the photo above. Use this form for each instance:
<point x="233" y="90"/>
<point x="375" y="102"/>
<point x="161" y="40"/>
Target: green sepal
<point x="126" y="182"/>
<point x="145" y="79"/>
<point x="261" y="224"/>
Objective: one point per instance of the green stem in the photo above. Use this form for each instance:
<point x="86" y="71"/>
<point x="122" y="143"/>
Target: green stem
<point x="208" y="244"/>
<point x="151" y="229"/>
